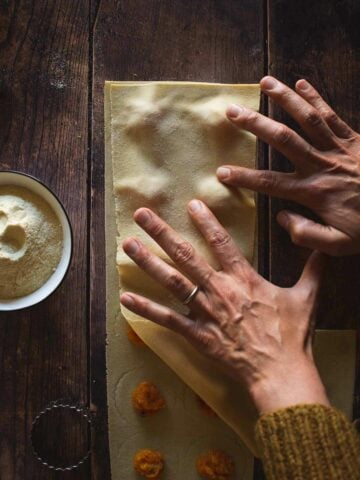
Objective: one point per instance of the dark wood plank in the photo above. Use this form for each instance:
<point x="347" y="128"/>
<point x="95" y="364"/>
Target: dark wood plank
<point x="200" y="40"/>
<point x="43" y="131"/>
<point x="321" y="42"/>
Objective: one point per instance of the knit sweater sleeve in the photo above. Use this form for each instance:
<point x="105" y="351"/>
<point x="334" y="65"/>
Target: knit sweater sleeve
<point x="308" y="442"/>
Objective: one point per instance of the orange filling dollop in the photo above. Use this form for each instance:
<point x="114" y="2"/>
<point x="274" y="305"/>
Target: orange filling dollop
<point x="215" y="465"/>
<point x="147" y="399"/>
<point x="149" y="463"/>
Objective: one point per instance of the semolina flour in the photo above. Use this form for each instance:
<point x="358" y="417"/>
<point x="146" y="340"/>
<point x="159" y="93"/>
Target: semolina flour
<point x="31" y="242"/>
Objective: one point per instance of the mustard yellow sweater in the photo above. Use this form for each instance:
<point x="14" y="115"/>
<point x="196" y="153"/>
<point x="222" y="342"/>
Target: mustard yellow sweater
<point x="308" y="442"/>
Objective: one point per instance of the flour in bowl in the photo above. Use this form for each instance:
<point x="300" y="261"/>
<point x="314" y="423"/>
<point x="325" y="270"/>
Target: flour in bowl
<point x="31" y="242"/>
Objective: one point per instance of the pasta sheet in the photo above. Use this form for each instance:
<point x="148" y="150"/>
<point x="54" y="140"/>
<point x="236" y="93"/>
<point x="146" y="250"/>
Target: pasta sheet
<point x="167" y="141"/>
<point x="142" y="168"/>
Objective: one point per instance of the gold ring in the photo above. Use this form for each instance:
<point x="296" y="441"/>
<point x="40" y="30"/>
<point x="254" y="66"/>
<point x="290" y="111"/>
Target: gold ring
<point x="191" y="295"/>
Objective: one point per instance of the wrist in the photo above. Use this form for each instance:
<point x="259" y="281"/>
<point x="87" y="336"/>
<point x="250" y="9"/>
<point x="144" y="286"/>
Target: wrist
<point x="290" y="384"/>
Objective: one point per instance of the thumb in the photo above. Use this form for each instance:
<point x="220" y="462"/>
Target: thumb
<point x="309" y="234"/>
<point x="312" y="273"/>
<point x="307" y="290"/>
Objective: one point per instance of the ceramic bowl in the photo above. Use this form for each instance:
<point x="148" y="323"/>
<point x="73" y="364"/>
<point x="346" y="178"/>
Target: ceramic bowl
<point x="36" y="186"/>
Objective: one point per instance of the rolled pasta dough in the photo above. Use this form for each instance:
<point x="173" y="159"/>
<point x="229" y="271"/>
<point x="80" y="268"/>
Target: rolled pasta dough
<point x="167" y="139"/>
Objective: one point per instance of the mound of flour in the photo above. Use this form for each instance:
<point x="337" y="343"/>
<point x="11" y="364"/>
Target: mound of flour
<point x="31" y="242"/>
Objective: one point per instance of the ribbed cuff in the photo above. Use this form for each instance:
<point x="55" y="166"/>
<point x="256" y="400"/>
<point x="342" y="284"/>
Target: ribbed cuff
<point x="308" y="442"/>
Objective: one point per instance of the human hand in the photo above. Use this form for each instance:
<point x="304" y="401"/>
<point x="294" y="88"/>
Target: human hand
<point x="327" y="170"/>
<point x="259" y="333"/>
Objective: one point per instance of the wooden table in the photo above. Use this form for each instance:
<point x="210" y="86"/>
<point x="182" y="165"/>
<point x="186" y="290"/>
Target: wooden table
<point x="55" y="56"/>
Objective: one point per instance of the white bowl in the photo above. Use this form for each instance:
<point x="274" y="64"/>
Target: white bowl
<point x="24" y="180"/>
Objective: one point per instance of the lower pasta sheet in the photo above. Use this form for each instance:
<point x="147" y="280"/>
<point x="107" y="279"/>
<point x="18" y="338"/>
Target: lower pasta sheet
<point x="182" y="431"/>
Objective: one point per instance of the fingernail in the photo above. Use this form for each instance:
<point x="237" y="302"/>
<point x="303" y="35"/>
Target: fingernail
<point x="268" y="83"/>
<point x="143" y="217"/>
<point x="233" y="110"/>
<point x="132" y="246"/>
<point x="223" y="173"/>
<point x="195" y="206"/>
<point x="283" y="218"/>
<point x="302" y="85"/>
<point x="127" y="300"/>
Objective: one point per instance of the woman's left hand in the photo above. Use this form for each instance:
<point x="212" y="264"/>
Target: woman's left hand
<point x="258" y="332"/>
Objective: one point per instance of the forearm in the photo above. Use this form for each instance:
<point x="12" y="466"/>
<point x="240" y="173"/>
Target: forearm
<point x="308" y="442"/>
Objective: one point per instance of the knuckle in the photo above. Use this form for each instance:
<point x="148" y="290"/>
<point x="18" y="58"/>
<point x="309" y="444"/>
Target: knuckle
<point x="171" y="321"/>
<point x="169" y="317"/>
<point x="219" y="239"/>
<point x="319" y="159"/>
<point x="298" y="235"/>
<point x="286" y="94"/>
<point x="330" y="116"/>
<point x="253" y="279"/>
<point x="183" y="252"/>
<point x="143" y="257"/>
<point x="250" y="118"/>
<point x="203" y="337"/>
<point x="327" y="186"/>
<point x="237" y="264"/>
<point x="312" y="118"/>
<point x="207" y="277"/>
<point x="156" y="229"/>
<point x="311" y="153"/>
<point x="312" y="95"/>
<point x="282" y="134"/>
<point x="144" y="305"/>
<point x="315" y="189"/>
<point x="267" y="180"/>
<point x="175" y="282"/>
<point x="321" y="187"/>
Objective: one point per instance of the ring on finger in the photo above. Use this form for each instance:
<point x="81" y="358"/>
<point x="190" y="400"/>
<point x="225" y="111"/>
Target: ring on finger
<point x="191" y="295"/>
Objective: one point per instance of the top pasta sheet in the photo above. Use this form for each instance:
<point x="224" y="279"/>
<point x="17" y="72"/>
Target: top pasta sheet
<point x="167" y="140"/>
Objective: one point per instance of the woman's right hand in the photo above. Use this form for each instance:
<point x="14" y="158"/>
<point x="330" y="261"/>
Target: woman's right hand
<point x="259" y="333"/>
<point x="327" y="168"/>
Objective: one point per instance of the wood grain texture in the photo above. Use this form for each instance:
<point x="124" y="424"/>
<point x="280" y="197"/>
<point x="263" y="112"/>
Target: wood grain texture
<point x="54" y="58"/>
<point x="201" y="40"/>
<point x="43" y="131"/>
<point x="319" y="41"/>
